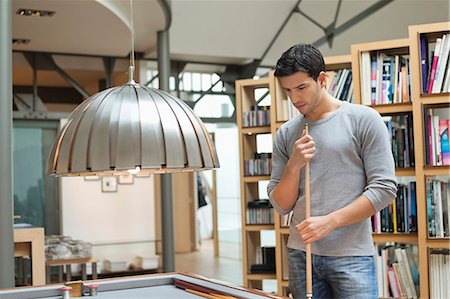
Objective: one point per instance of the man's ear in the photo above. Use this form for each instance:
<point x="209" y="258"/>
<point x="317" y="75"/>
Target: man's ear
<point x="322" y="79"/>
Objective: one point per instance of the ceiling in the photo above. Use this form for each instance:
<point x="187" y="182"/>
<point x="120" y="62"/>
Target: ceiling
<point x="93" y="27"/>
<point x="215" y="31"/>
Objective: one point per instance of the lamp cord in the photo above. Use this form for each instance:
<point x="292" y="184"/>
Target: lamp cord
<point x="131" y="69"/>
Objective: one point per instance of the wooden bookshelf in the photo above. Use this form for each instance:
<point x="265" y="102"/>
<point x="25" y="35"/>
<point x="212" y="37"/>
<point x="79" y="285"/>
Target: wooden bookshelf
<point x="419" y="100"/>
<point x="251" y="233"/>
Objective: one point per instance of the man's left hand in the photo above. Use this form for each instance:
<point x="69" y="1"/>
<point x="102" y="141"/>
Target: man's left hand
<point x="316" y="228"/>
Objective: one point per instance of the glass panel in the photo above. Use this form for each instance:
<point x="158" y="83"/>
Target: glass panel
<point x="35" y="194"/>
<point x="214" y="106"/>
<point x="28" y="185"/>
<point x="206" y="82"/>
<point x="196" y="82"/>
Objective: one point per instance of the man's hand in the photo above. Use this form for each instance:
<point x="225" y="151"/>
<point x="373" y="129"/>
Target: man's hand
<point x="302" y="152"/>
<point x="316" y="228"/>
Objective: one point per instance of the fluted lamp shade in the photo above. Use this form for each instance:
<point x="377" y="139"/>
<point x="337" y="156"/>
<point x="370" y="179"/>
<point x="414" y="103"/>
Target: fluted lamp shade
<point x="131" y="128"/>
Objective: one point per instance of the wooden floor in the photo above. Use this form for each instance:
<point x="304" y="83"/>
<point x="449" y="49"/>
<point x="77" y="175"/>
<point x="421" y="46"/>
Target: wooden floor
<point x="204" y="263"/>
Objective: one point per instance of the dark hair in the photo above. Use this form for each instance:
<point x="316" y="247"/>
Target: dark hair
<point x="300" y="58"/>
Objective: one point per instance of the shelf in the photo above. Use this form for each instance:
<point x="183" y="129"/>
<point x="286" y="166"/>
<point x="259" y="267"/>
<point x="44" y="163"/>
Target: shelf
<point x="338" y="62"/>
<point x="433" y="99"/>
<point x="438" y="243"/>
<point x="261" y="82"/>
<point x="251" y="276"/>
<point x="393" y="108"/>
<point x="256" y="130"/>
<point x="405" y="171"/>
<point x="258" y="227"/>
<point x="385" y="46"/>
<point x="255" y="178"/>
<point x="284" y="230"/>
<point x="391" y="237"/>
<point x="436" y="170"/>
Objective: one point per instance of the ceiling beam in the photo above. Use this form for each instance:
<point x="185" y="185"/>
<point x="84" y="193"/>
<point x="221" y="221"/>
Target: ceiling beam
<point x="352" y="22"/>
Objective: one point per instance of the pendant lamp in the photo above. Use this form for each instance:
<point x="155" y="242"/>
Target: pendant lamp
<point x="131" y="129"/>
<point x="128" y="129"/>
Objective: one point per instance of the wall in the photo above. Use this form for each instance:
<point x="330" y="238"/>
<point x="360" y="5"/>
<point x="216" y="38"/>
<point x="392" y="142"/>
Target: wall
<point x="228" y="196"/>
<point x="118" y="224"/>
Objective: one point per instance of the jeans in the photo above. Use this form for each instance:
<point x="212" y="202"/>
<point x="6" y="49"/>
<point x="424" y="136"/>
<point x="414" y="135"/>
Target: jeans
<point x="333" y="277"/>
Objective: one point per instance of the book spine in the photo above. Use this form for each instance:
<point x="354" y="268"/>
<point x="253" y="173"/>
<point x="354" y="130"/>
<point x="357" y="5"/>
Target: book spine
<point x="434" y="65"/>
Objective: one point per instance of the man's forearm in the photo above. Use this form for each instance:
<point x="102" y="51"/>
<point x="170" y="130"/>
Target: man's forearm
<point x="318" y="227"/>
<point x="286" y="192"/>
<point x="355" y="212"/>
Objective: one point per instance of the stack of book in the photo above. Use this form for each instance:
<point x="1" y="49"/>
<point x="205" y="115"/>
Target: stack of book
<point x="265" y="261"/>
<point x="439" y="273"/>
<point x="401" y="215"/>
<point x="397" y="271"/>
<point x="438" y="207"/>
<point x="436" y="122"/>
<point x="400" y="129"/>
<point x="260" y="165"/>
<point x="259" y="211"/>
<point x="385" y="79"/>
<point x="341" y="86"/>
<point x="435" y="64"/>
<point x="258" y="116"/>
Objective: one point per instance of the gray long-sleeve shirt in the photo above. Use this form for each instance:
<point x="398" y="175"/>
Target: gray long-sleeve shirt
<point x="353" y="158"/>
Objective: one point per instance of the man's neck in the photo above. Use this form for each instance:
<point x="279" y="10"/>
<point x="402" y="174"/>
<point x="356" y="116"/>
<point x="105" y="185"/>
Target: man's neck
<point x="328" y="105"/>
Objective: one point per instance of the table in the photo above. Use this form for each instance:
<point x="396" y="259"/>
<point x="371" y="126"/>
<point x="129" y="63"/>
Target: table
<point x="68" y="263"/>
<point x="31" y="242"/>
<point x="145" y="286"/>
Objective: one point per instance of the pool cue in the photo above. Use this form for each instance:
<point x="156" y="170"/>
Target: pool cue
<point x="308" y="214"/>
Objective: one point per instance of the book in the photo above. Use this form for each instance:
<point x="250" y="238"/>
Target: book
<point x="434" y="65"/>
<point x="442" y="63"/>
<point x="424" y="61"/>
<point x="445" y="149"/>
<point x="408" y="272"/>
<point x="366" y="83"/>
<point x="403" y="274"/>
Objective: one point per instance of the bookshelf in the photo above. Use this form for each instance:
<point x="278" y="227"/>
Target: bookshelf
<point x="250" y="93"/>
<point x="378" y="68"/>
<point x="420" y="101"/>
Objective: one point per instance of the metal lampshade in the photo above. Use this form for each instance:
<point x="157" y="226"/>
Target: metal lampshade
<point x="131" y="128"/>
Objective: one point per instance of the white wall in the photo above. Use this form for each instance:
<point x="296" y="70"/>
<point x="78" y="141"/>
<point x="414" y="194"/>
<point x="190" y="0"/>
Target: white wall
<point x="228" y="193"/>
<point x="125" y="217"/>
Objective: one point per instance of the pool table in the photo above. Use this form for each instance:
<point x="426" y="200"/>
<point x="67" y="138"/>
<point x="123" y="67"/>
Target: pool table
<point x="168" y="285"/>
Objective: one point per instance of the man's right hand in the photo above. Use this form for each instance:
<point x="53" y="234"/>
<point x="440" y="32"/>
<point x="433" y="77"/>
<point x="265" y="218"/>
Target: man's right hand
<point x="302" y="152"/>
<point x="286" y="192"/>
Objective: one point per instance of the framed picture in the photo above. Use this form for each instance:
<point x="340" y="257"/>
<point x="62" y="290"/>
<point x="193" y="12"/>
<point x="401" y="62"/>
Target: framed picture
<point x="109" y="184"/>
<point x="91" y="178"/>
<point x="126" y="179"/>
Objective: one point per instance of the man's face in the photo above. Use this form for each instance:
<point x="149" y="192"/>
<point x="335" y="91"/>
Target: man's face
<point x="303" y="91"/>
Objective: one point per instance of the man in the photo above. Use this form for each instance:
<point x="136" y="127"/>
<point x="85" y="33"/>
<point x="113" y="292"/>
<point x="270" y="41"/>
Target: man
<point x="352" y="176"/>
